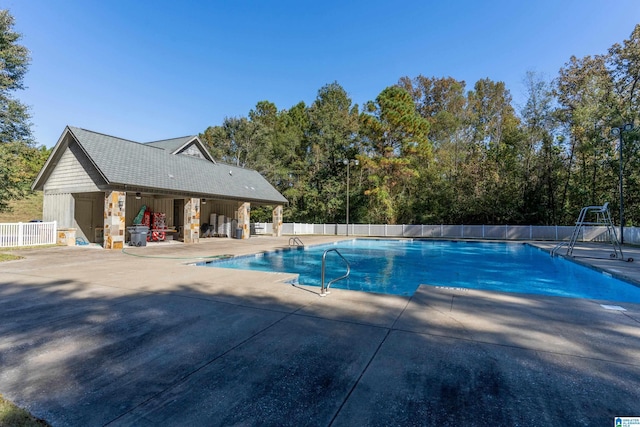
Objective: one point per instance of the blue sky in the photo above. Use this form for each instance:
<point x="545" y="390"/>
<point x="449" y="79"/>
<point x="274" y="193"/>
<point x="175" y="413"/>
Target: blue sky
<point x="148" y="70"/>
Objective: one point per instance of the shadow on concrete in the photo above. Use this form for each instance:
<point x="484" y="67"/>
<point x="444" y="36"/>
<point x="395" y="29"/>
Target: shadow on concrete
<point x="80" y="353"/>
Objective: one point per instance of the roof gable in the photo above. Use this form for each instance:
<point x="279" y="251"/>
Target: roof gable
<point x="186" y="145"/>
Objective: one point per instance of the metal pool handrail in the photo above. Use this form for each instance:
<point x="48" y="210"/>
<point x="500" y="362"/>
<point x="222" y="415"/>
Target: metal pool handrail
<point x="295" y="241"/>
<point x="325" y="290"/>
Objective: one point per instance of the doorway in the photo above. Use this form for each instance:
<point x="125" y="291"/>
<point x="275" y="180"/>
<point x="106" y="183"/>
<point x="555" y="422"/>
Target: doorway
<point x="84" y="219"/>
<point x="178" y="217"/>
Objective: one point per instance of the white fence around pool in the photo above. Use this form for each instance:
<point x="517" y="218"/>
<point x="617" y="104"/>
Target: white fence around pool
<point x="489" y="232"/>
<point x="13" y="235"/>
<point x="45" y="233"/>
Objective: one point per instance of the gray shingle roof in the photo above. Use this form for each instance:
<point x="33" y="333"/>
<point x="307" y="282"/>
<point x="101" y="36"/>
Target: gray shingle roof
<point x="172" y="144"/>
<point x="129" y="163"/>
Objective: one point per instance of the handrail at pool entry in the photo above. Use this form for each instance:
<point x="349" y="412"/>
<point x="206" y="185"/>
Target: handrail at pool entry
<point x="325" y="290"/>
<point x="555" y="250"/>
<point x="295" y="241"/>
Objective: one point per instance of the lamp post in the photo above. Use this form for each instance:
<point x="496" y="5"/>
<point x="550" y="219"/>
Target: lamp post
<point x="618" y="131"/>
<point x="348" y="163"/>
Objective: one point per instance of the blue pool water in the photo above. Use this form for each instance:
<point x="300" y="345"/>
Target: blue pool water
<point x="400" y="266"/>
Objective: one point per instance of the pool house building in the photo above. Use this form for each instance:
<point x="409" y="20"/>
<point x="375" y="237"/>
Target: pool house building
<point x="96" y="184"/>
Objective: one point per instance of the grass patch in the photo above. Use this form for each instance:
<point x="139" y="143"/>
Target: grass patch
<point x="9" y="257"/>
<point x="24" y="210"/>
<point x="11" y="415"/>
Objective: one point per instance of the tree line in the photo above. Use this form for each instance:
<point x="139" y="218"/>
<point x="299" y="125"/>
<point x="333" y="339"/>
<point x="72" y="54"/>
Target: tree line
<point x="20" y="159"/>
<point x="430" y="150"/>
<point x="426" y="150"/>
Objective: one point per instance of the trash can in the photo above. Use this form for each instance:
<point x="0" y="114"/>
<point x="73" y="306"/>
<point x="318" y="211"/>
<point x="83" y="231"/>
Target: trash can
<point x="138" y="235"/>
<point x="238" y="233"/>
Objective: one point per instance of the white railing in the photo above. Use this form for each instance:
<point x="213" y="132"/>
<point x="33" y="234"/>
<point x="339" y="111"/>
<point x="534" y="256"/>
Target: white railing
<point x="497" y="232"/>
<point x="13" y="235"/>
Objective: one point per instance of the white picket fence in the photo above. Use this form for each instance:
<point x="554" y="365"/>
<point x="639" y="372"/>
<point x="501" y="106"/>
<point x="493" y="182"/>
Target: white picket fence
<point x="495" y="232"/>
<point x="14" y="235"/>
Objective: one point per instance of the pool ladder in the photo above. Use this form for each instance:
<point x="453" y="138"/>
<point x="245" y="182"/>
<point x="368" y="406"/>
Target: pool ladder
<point x="295" y="241"/>
<point x="559" y="246"/>
<point x="324" y="290"/>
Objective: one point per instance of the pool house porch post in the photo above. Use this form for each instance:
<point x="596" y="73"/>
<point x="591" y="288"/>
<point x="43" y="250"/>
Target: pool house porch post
<point x="277" y="221"/>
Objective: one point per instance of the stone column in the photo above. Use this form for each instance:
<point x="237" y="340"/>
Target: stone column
<point x="114" y="219"/>
<point x="244" y="219"/>
<point x="277" y="221"/>
<point x="191" y="220"/>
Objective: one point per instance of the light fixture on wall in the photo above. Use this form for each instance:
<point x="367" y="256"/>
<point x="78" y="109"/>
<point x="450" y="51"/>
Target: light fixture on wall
<point x="138" y="196"/>
<point x="204" y="201"/>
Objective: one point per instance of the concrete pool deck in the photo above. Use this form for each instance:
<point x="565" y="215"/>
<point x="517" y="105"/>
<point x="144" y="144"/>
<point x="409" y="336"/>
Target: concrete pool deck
<point x="93" y="337"/>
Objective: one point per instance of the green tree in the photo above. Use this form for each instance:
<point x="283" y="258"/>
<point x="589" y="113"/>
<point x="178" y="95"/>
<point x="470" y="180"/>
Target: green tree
<point x="279" y="153"/>
<point x="624" y="65"/>
<point x="624" y="62"/>
<point x="215" y="139"/>
<point x="291" y="151"/>
<point x="587" y="99"/>
<point x="443" y="103"/>
<point x="487" y="185"/>
<point x="16" y="142"/>
<point x="14" y="63"/>
<point x="331" y="138"/>
<point x="395" y="148"/>
<point x="243" y="141"/>
<point x="264" y="120"/>
<point x="542" y="154"/>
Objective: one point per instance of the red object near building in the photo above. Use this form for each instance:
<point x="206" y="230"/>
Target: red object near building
<point x="158" y="227"/>
<point x="146" y="218"/>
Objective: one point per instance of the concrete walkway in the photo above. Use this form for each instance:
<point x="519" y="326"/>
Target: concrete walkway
<point x="91" y="337"/>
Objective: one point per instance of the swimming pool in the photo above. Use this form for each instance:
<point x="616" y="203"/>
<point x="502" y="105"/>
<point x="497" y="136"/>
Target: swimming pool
<point x="399" y="266"/>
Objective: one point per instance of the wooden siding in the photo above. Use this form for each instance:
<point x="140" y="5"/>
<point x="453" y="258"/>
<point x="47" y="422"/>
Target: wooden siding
<point x="74" y="173"/>
<point x="59" y="207"/>
<point x="154" y="204"/>
<point x="218" y="207"/>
